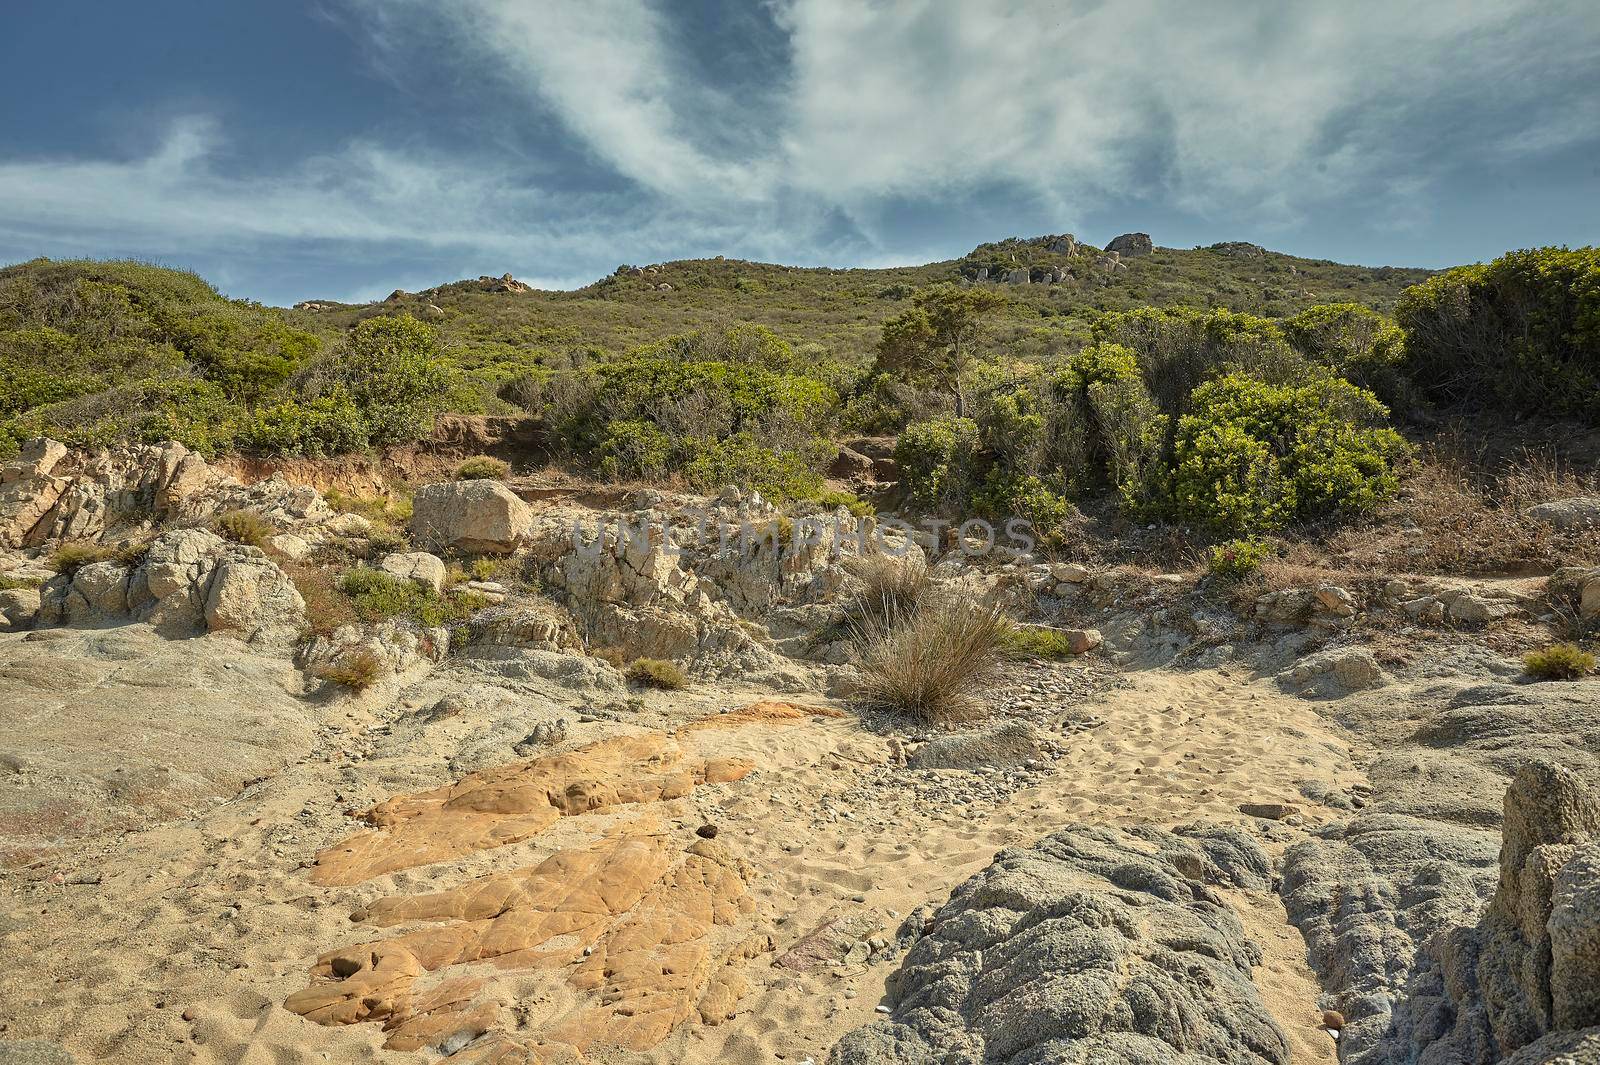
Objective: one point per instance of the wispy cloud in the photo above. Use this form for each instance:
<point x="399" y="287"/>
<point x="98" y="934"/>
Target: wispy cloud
<point x="1265" y="110"/>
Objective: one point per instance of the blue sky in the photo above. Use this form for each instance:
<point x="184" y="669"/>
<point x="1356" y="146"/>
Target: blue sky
<point x="343" y="148"/>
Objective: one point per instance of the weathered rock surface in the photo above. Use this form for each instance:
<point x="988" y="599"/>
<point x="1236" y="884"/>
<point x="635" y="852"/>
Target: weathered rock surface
<point x="1578" y="512"/>
<point x="1095" y="946"/>
<point x="116" y="728"/>
<point x="1013" y="742"/>
<point x="640" y="921"/>
<point x="1432" y="935"/>
<point x="49" y="493"/>
<point x="1131" y="245"/>
<point x="479" y="516"/>
<point x="187" y="582"/>
<point x="420" y="566"/>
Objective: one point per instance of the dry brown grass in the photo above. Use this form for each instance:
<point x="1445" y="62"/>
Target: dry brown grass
<point x="1457" y="514"/>
<point x="892" y="587"/>
<point x="327" y="608"/>
<point x="657" y="673"/>
<point x="358" y="671"/>
<point x="936" y="664"/>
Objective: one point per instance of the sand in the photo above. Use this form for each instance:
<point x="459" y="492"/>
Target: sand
<point x="200" y="929"/>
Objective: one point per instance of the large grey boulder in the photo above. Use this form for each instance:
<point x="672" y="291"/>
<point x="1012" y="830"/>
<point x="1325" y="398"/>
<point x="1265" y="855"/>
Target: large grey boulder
<point x="1131" y="245"/>
<point x="476" y="516"/>
<point x="420" y="566"/>
<point x="1094" y="947"/>
<point x="1578" y="512"/>
<point x="1443" y="953"/>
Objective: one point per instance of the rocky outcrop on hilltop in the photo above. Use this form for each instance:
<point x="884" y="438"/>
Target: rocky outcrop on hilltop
<point x="1131" y="245"/>
<point x="1096" y="945"/>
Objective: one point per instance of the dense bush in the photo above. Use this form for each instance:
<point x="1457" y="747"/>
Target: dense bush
<point x="1521" y="333"/>
<point x="1361" y="345"/>
<point x="391" y="371"/>
<point x="1255" y="456"/>
<point x="656" y="673"/>
<point x="936" y="460"/>
<point x="1237" y="559"/>
<point x="714" y="422"/>
<point x="482" y="468"/>
<point x="377" y="595"/>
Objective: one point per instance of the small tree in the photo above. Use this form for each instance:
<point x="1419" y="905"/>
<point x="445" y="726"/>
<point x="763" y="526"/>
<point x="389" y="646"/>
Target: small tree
<point x="934" y="338"/>
<point x="392" y="370"/>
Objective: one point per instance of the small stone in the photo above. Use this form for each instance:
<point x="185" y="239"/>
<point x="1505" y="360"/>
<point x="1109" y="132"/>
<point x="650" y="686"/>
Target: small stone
<point x="706" y="831"/>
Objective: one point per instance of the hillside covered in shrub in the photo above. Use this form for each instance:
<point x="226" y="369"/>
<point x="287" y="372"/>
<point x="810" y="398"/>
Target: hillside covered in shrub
<point x="1229" y="387"/>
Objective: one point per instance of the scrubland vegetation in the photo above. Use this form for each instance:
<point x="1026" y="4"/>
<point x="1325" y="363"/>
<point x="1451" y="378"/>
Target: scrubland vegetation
<point x="1234" y="394"/>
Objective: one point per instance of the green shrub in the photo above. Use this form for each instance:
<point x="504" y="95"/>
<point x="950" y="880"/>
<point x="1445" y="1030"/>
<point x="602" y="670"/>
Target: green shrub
<point x="1521" y="333"/>
<point x="833" y="499"/>
<point x="482" y="468"/>
<point x="243" y="527"/>
<point x="392" y="371"/>
<point x="936" y="460"/>
<point x="1038" y="641"/>
<point x="1238" y="559"/>
<point x="377" y="595"/>
<point x="1559" y="661"/>
<point x="1358" y="343"/>
<point x="1254" y="456"/>
<point x="656" y="673"/>
<point x="7" y="583"/>
<point x="744" y="460"/>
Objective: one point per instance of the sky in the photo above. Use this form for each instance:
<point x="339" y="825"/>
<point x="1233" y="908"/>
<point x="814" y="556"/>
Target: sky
<point x="300" y="149"/>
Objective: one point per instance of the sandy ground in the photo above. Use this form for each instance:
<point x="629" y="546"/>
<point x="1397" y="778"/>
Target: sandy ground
<point x="197" y="930"/>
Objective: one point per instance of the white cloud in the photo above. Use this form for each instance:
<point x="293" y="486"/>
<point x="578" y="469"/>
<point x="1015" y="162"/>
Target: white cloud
<point x="1259" y="110"/>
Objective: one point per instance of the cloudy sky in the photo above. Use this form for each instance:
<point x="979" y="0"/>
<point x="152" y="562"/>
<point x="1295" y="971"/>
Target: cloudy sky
<point x="290" y="149"/>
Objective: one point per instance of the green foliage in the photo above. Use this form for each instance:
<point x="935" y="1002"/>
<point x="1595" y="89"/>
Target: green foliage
<point x="377" y="595"/>
<point x="1038" y="641"/>
<point x="243" y="527"/>
<point x="934" y="340"/>
<point x="635" y="448"/>
<point x="391" y="371"/>
<point x="833" y="499"/>
<point x="7" y="582"/>
<point x="1521" y="333"/>
<point x="715" y="422"/>
<point x="1238" y="559"/>
<point x="482" y="468"/>
<point x="1360" y="344"/>
<point x="1254" y="456"/>
<point x="936" y="460"/>
<point x="1006" y="494"/>
<point x="656" y="673"/>
<point x="1559" y="661"/>
<point x="743" y="459"/>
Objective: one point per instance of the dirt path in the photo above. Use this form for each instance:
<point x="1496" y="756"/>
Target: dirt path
<point x="199" y="931"/>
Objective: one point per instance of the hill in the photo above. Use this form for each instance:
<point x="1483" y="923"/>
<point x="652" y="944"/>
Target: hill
<point x="843" y="309"/>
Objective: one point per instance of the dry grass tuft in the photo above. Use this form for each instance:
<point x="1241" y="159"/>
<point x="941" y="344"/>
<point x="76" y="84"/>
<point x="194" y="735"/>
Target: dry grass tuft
<point x="243" y="527"/>
<point x="358" y="671"/>
<point x="892" y="588"/>
<point x="937" y="663"/>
